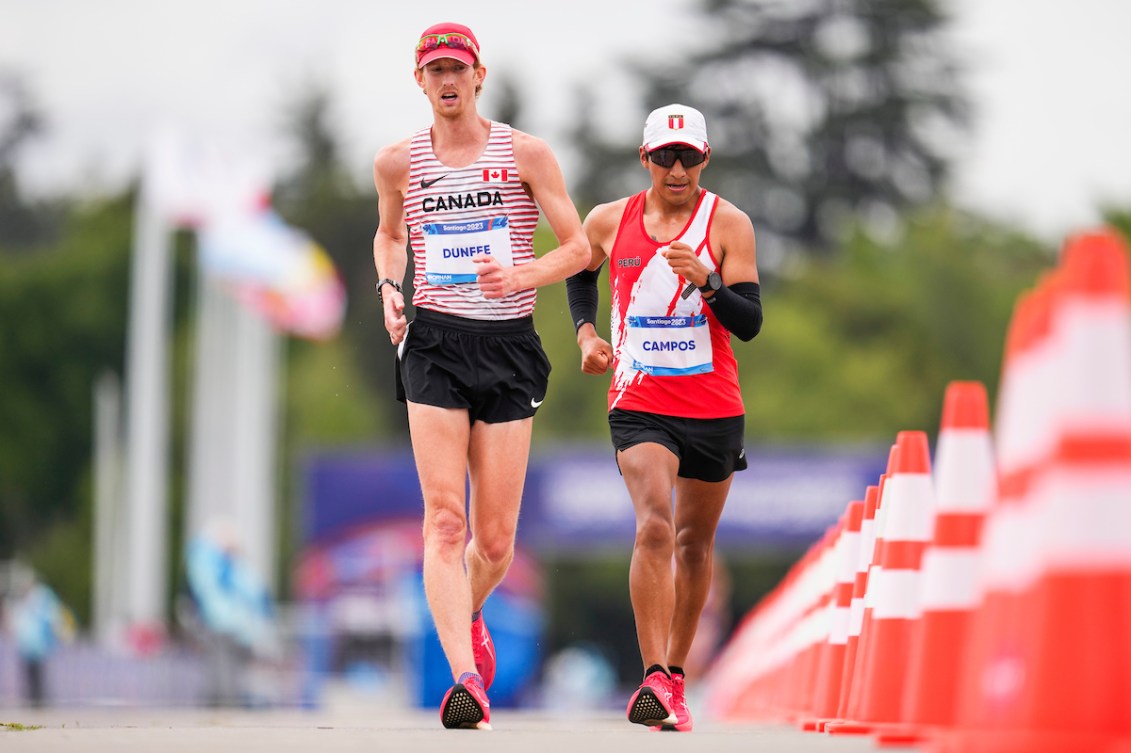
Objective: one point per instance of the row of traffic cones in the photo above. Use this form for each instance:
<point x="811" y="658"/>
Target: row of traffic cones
<point x="983" y="604"/>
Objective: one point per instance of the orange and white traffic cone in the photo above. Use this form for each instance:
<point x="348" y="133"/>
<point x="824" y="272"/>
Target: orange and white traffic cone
<point x="856" y="607"/>
<point x="965" y="490"/>
<point x="830" y="674"/>
<point x="992" y="659"/>
<point x="910" y="497"/>
<point x="1069" y="680"/>
<point x="850" y="721"/>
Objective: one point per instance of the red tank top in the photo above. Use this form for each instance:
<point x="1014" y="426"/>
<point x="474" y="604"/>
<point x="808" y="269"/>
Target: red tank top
<point x="670" y="355"/>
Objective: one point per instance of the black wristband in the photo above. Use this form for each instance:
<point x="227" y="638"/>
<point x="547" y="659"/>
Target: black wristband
<point x="581" y="292"/>
<point x="738" y="307"/>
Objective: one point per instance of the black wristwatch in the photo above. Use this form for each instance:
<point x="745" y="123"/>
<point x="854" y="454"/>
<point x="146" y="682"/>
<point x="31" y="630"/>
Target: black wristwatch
<point x="382" y="283"/>
<point x="714" y="282"/>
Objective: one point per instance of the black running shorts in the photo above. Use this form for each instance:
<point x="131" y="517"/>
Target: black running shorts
<point x="709" y="449"/>
<point x="497" y="370"/>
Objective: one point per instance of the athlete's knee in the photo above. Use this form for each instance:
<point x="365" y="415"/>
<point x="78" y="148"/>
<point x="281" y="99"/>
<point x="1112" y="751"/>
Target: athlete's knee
<point x="495" y="546"/>
<point x="445" y="528"/>
<point x="692" y="549"/>
<point x="655" y="532"/>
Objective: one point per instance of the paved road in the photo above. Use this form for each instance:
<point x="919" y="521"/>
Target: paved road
<point x="413" y="731"/>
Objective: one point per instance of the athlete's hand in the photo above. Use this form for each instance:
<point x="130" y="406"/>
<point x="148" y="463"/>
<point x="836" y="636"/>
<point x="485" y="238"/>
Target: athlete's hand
<point x="683" y="261"/>
<point x="395" y="322"/>
<point x="596" y="355"/>
<point x="495" y="280"/>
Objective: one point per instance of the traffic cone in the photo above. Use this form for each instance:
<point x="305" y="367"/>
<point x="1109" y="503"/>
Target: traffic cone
<point x="992" y="664"/>
<point x="811" y="628"/>
<point x="856" y="608"/>
<point x="850" y="716"/>
<point x="965" y="490"/>
<point x="907" y="531"/>
<point x="1069" y="685"/>
<point x="830" y="674"/>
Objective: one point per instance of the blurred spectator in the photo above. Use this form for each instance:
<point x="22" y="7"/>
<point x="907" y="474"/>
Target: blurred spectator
<point x="40" y="622"/>
<point x="232" y="615"/>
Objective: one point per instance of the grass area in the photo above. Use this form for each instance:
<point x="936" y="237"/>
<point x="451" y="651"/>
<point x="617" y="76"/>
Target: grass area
<point x="17" y="727"/>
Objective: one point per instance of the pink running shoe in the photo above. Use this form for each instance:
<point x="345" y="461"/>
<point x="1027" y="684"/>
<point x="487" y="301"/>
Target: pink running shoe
<point x="465" y="706"/>
<point x="484" y="650"/>
<point x="679" y="706"/>
<point x="651" y="704"/>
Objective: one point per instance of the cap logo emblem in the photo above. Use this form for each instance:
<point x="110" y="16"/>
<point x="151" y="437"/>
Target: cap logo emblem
<point x="675" y="122"/>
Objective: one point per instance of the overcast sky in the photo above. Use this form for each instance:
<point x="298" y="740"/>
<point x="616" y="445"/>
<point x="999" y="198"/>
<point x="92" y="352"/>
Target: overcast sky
<point x="1048" y="78"/>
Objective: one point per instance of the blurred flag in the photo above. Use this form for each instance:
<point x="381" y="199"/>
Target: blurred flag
<point x="275" y="269"/>
<point x="188" y="183"/>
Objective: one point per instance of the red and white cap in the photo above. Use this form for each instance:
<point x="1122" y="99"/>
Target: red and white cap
<point x="447" y="40"/>
<point x="675" y="124"/>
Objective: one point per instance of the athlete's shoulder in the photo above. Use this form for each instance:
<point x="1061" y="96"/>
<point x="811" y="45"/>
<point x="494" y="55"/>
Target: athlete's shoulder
<point x="728" y="216"/>
<point x="392" y="161"/>
<point x="530" y="148"/>
<point x="607" y="213"/>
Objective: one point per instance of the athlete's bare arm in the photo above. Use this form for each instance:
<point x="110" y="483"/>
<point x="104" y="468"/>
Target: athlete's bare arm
<point x="542" y="178"/>
<point x="390" y="242"/>
<point x="732" y="234"/>
<point x="601" y="230"/>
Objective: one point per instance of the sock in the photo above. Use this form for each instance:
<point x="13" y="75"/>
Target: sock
<point x="673" y="669"/>
<point x="656" y="668"/>
<point x="467" y="676"/>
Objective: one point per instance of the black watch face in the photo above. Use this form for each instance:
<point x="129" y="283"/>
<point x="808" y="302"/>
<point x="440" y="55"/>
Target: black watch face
<point x="714" y="281"/>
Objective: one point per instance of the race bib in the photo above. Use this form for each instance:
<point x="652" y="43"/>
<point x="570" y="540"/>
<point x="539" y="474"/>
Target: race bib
<point x="449" y="248"/>
<point x="669" y="345"/>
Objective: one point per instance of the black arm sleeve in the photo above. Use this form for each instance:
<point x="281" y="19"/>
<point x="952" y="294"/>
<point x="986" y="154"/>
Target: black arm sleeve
<point x="738" y="307"/>
<point x="581" y="292"/>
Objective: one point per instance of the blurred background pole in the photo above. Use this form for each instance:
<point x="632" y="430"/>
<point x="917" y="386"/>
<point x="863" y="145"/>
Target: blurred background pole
<point x="147" y="417"/>
<point x="106" y="604"/>
<point x="233" y="445"/>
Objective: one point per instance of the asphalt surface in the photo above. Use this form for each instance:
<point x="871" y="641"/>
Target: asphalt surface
<point x="122" y="730"/>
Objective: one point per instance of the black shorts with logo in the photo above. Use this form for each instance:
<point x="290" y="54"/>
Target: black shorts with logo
<point x="709" y="449"/>
<point x="497" y="370"/>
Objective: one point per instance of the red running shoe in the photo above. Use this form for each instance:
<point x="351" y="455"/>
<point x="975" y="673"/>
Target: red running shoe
<point x="651" y="704"/>
<point x="679" y="706"/>
<point x="484" y="650"/>
<point x="465" y="706"/>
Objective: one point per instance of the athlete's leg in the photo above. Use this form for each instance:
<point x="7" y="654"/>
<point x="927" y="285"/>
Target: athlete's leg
<point x="440" y="438"/>
<point x="498" y="457"/>
<point x="649" y="471"/>
<point x="698" y="507"/>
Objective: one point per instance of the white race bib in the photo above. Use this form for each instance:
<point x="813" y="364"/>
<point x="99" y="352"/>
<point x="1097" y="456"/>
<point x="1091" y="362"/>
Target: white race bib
<point x="669" y="345"/>
<point x="450" y="246"/>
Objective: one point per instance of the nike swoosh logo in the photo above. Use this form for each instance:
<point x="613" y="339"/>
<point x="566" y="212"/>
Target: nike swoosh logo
<point x="535" y="403"/>
<point x="428" y="183"/>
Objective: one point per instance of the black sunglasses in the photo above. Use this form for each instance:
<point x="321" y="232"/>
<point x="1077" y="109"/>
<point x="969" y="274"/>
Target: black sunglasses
<point x="666" y="156"/>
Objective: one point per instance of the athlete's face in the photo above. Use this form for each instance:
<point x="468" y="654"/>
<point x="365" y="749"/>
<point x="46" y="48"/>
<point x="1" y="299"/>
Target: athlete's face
<point x="676" y="184"/>
<point x="450" y="84"/>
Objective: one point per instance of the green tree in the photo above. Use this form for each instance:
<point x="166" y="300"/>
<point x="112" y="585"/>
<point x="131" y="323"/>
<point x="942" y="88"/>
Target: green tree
<point x="861" y="345"/>
<point x="823" y="115"/>
<point x="320" y="196"/>
<point x="24" y="224"/>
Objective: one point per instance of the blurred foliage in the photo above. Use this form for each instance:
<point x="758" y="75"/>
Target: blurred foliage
<point x="822" y="115"/>
<point x="24" y="224"/>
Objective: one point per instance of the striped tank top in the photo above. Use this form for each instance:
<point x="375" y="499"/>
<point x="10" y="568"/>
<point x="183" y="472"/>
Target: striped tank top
<point x="455" y="213"/>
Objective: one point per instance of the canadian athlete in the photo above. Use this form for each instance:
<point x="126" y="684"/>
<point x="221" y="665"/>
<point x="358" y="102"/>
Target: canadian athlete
<point x="465" y="194"/>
